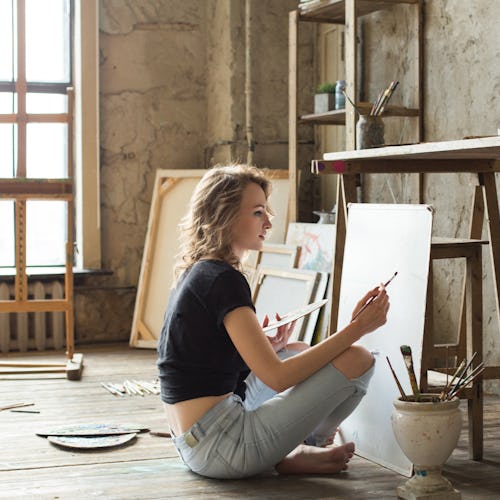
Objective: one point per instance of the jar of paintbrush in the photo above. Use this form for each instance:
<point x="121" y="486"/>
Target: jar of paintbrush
<point x="370" y="127"/>
<point x="369" y="132"/>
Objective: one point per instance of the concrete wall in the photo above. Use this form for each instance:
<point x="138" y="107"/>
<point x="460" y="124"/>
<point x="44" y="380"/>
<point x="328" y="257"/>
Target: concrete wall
<point x="172" y="91"/>
<point x="172" y="96"/>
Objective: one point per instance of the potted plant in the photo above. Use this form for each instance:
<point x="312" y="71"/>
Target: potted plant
<point x="324" y="98"/>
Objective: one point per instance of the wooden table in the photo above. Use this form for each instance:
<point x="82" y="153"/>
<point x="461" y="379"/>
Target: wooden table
<point x="477" y="156"/>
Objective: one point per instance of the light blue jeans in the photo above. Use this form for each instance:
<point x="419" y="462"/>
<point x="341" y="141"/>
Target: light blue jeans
<point x="237" y="439"/>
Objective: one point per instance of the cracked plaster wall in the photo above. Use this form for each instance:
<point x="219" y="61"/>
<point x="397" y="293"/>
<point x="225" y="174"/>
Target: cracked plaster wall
<point x="172" y="82"/>
<point x="172" y="96"/>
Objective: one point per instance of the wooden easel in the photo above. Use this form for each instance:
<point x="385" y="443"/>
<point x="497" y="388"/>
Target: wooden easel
<point x="480" y="156"/>
<point x="21" y="189"/>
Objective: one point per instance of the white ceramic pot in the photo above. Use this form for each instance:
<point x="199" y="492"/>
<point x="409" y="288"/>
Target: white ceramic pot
<point x="427" y="432"/>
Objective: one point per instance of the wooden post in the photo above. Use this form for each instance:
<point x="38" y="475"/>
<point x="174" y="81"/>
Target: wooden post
<point x="293" y="36"/>
<point x="475" y="344"/>
<point x="351" y="72"/>
<point x="487" y="180"/>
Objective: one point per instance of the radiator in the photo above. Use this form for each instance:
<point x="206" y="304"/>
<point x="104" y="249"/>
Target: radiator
<point x="32" y="331"/>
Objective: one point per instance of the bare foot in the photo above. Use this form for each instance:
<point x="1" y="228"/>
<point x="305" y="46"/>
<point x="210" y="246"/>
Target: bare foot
<point x="314" y="460"/>
<point x="330" y="439"/>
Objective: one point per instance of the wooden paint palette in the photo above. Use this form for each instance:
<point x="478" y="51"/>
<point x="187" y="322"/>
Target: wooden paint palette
<point x="88" y="443"/>
<point x="294" y="315"/>
<point x="91" y="430"/>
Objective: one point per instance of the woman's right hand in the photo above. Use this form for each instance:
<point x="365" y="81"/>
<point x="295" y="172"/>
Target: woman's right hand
<point x="375" y="314"/>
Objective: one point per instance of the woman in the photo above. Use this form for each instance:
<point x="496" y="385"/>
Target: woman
<point x="237" y="402"/>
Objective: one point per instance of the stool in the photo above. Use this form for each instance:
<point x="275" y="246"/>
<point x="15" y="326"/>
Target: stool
<point x="470" y="334"/>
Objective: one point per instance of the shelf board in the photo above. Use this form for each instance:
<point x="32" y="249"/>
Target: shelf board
<point x="337" y="117"/>
<point x="333" y="11"/>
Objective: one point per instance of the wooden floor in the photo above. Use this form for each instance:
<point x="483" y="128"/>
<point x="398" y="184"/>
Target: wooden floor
<point x="31" y="467"/>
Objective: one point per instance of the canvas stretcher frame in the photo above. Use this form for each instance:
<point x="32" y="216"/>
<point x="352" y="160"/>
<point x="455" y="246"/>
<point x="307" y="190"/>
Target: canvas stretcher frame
<point x="280" y="290"/>
<point x="171" y="194"/>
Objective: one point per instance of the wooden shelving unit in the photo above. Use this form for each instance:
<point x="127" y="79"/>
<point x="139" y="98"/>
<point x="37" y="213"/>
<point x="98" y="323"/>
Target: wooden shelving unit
<point x="344" y="12"/>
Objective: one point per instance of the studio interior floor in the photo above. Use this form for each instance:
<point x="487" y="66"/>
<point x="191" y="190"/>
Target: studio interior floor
<point x="148" y="468"/>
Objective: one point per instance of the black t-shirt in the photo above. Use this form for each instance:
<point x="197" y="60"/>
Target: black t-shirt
<point x="196" y="356"/>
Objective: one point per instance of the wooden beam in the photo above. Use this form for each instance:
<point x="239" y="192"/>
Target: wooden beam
<point x="18" y="187"/>
<point x="351" y="62"/>
<point x="400" y="165"/>
<point x="33" y="305"/>
<point x="293" y="41"/>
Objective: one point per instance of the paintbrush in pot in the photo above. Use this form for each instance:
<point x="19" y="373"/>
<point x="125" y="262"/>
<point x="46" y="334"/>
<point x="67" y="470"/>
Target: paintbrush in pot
<point x="473" y="375"/>
<point x="447" y="387"/>
<point x="408" y="358"/>
<point x="463" y="374"/>
<point x="402" y="392"/>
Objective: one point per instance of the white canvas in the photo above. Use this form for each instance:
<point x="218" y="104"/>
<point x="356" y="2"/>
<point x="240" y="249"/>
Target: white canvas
<point x="380" y="240"/>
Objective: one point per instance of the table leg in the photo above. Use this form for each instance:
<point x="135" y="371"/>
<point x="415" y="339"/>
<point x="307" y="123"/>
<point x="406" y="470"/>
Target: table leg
<point x="475" y="344"/>
<point x="487" y="180"/>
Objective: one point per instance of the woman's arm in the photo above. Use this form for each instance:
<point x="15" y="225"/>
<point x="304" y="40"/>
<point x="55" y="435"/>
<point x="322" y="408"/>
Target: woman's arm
<point x="254" y="347"/>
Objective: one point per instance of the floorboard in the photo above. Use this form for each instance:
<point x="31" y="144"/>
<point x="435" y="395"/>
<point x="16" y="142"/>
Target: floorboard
<point x="31" y="467"/>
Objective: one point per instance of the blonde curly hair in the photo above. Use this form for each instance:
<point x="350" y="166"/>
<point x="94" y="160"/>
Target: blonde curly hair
<point x="207" y="227"/>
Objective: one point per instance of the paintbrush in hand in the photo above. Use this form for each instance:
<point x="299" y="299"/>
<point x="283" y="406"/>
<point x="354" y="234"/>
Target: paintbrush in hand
<point x="408" y="358"/>
<point x="372" y="298"/>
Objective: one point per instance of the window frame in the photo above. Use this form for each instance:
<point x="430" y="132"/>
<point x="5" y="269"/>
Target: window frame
<point x="86" y="127"/>
<point x="85" y="146"/>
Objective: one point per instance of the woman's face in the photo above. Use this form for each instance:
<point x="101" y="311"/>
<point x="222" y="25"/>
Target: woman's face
<point x="249" y="230"/>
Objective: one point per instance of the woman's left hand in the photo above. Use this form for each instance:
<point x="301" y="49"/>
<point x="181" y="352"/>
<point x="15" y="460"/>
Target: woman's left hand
<point x="280" y="340"/>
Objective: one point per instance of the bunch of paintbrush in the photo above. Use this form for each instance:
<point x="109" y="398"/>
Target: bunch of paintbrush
<point x="408" y="358"/>
<point x="133" y="388"/>
<point x="382" y="99"/>
<point x="463" y="376"/>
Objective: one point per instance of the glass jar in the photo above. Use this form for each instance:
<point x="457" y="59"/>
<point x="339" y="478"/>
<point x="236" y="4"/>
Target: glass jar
<point x="369" y="132"/>
<point x="339" y="94"/>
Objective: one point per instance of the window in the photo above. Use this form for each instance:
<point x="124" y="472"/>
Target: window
<point x="47" y="46"/>
<point x="35" y="71"/>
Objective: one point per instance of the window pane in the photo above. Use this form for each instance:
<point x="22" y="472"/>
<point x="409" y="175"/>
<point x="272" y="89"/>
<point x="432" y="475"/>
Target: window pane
<point x="46" y="150"/>
<point x="8" y="102"/>
<point x="6" y="41"/>
<point x="46" y="103"/>
<point x="7" y="248"/>
<point x="7" y="149"/>
<point x="45" y="233"/>
<point x="48" y="41"/>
